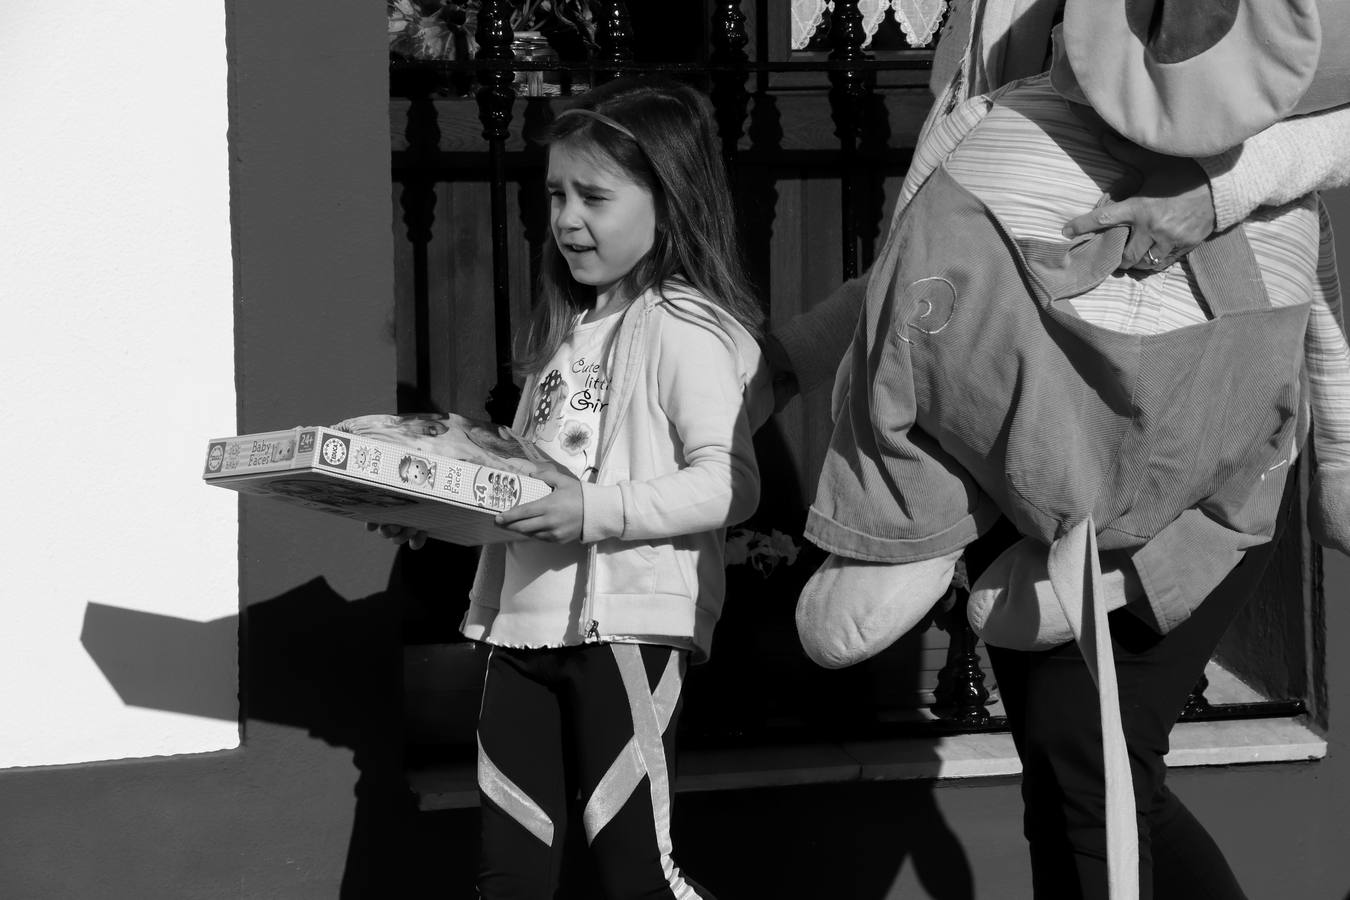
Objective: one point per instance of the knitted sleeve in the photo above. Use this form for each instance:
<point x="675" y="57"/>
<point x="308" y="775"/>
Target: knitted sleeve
<point x="1279" y="165"/>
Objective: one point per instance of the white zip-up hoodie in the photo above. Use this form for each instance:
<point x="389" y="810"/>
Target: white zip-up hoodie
<point x="675" y="468"/>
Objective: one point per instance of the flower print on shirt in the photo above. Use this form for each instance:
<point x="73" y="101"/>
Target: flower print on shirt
<point x="576" y="440"/>
<point x="568" y="399"/>
<point x="550" y="397"/>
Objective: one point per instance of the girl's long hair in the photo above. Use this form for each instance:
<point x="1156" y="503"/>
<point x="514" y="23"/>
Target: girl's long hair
<point x="673" y="153"/>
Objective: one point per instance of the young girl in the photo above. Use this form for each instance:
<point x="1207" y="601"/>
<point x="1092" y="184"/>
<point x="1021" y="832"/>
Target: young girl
<point x="643" y="384"/>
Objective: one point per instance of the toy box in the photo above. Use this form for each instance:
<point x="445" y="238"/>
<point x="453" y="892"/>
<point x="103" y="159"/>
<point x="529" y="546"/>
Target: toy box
<point x="371" y="480"/>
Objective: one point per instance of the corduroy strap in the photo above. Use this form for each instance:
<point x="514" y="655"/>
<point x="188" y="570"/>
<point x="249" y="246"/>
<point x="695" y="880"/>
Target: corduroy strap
<point x="1227" y="273"/>
<point x="1076" y="575"/>
<point x="1225" y="269"/>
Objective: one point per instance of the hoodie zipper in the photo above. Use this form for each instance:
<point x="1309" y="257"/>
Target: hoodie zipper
<point x="591" y="633"/>
<point x="592" y="624"/>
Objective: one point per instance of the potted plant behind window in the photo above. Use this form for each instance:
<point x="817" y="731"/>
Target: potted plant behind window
<point x="545" y="30"/>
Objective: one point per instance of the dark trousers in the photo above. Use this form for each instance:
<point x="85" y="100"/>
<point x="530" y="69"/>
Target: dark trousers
<point x="1051" y="703"/>
<point x="594" y="723"/>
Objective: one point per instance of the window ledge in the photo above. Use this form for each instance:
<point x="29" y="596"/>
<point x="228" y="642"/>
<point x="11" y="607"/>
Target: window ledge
<point x="977" y="755"/>
<point x="1222" y="742"/>
<point x="948" y="757"/>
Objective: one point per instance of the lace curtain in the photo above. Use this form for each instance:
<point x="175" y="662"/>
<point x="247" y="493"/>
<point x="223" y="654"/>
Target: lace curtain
<point x="918" y="19"/>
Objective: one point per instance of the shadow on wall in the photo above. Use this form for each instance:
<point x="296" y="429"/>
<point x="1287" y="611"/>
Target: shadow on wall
<point x="162" y="662"/>
<point x="312" y="660"/>
<point x="336" y="668"/>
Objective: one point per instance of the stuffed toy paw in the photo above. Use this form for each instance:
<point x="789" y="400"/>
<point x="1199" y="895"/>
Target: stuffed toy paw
<point x="1013" y="604"/>
<point x="1329" y="508"/>
<point x="851" y="610"/>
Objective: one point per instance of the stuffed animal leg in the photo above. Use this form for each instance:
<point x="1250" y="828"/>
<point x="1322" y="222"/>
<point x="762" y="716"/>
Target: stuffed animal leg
<point x="851" y="610"/>
<point x="1012" y="602"/>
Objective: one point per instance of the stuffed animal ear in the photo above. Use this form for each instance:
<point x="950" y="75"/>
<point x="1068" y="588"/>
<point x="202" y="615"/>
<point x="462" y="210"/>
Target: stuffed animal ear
<point x="1329" y="508"/>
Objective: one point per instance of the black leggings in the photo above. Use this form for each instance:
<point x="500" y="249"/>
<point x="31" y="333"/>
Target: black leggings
<point x="594" y="722"/>
<point x="1051" y="703"/>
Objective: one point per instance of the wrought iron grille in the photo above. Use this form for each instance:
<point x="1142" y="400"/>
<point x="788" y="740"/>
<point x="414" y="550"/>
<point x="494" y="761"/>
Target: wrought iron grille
<point x="732" y="79"/>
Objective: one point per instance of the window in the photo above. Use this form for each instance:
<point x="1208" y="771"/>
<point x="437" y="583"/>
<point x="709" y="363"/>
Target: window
<point x="807" y="203"/>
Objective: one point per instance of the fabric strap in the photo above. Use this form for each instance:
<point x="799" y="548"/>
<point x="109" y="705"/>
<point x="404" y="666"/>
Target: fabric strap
<point x="1075" y="574"/>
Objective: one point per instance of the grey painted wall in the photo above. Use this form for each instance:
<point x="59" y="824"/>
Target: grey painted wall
<point x="311" y="806"/>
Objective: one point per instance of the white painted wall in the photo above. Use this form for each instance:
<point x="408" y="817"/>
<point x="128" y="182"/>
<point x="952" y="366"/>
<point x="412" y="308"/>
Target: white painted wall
<point x="116" y="365"/>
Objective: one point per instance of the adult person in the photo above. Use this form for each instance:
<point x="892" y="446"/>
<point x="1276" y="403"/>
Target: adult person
<point x="1050" y="693"/>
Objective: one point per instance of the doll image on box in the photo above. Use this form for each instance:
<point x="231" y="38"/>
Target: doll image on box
<point x="417" y="471"/>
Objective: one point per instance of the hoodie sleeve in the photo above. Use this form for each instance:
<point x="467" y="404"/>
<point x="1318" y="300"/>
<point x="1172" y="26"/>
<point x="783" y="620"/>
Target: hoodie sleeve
<point x="1279" y="165"/>
<point x="703" y="381"/>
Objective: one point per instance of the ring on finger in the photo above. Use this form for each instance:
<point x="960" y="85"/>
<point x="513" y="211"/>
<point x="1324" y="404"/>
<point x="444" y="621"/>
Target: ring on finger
<point x="1152" y="259"/>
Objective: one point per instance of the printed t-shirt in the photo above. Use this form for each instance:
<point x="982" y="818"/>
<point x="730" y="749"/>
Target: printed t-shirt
<point x="544" y="583"/>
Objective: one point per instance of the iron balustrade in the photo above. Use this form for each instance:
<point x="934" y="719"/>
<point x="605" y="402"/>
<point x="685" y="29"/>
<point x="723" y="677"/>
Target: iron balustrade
<point x="961" y="699"/>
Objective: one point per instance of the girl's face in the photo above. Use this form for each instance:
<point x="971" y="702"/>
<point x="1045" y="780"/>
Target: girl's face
<point x="603" y="222"/>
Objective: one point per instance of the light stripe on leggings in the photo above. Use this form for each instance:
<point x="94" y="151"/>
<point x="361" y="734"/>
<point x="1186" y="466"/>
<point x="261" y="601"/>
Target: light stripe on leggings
<point x="644" y="753"/>
<point x="513" y="801"/>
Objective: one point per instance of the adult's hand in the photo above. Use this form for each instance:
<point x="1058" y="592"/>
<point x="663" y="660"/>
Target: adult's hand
<point x="1168" y="208"/>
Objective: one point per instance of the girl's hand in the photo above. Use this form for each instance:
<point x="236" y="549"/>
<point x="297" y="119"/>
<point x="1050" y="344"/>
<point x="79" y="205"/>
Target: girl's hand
<point x="400" y="534"/>
<point x="555" y="518"/>
<point x="1169" y="215"/>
